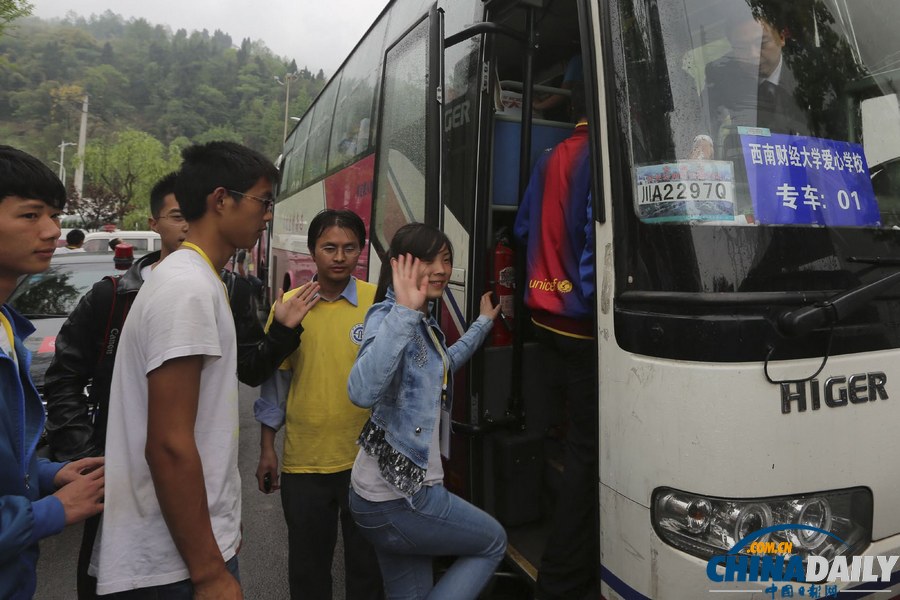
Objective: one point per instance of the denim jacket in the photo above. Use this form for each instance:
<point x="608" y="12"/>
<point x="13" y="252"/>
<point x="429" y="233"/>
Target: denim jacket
<point x="399" y="374"/>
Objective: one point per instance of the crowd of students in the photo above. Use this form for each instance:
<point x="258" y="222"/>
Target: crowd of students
<point x="154" y="471"/>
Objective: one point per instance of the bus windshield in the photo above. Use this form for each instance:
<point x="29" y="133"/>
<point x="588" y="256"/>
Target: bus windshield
<point x="773" y="124"/>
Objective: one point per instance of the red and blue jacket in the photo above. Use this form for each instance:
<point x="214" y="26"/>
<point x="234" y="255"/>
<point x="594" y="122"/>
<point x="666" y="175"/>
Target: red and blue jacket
<point x="555" y="223"/>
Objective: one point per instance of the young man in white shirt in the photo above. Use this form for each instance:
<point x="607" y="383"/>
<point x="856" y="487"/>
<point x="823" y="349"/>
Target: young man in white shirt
<point x="173" y="499"/>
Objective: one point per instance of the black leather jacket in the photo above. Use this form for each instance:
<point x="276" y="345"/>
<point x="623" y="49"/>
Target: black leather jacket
<point x="72" y="431"/>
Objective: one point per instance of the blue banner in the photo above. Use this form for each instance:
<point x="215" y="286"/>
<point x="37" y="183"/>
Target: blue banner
<point x="798" y="180"/>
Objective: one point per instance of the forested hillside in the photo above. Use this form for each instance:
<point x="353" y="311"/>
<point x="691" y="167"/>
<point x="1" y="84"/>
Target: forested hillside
<point x="152" y="91"/>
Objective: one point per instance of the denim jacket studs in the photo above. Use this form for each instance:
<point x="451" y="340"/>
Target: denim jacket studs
<point x="399" y="374"/>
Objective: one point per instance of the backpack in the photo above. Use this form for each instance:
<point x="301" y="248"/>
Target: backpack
<point x="118" y="312"/>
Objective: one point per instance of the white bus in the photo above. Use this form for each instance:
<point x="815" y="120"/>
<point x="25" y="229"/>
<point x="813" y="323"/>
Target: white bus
<point x="747" y="247"/>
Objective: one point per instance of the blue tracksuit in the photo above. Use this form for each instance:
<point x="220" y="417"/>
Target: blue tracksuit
<point x="27" y="514"/>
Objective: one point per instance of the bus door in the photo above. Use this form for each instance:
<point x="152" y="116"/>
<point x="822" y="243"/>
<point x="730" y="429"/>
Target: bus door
<point x="408" y="157"/>
<point x="516" y="418"/>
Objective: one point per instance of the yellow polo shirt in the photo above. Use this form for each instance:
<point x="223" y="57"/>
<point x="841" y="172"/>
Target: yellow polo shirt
<point x="321" y="424"/>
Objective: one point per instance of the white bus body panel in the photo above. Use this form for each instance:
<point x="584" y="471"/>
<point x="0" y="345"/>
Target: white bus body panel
<point x="732" y="441"/>
<point x="293" y="217"/>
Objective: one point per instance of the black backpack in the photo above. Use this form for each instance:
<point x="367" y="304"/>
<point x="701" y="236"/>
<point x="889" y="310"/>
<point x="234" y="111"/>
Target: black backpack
<point x="118" y="312"/>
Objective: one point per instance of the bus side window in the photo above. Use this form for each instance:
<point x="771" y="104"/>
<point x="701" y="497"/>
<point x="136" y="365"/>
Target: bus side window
<point x="353" y="129"/>
<point x="400" y="196"/>
<point x="292" y="178"/>
<point x="320" y="132"/>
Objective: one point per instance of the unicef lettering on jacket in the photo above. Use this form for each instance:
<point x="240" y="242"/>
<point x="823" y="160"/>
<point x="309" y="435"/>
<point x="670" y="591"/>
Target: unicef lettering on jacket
<point x="551" y="285"/>
<point x="787" y="573"/>
<point x="799" y="180"/>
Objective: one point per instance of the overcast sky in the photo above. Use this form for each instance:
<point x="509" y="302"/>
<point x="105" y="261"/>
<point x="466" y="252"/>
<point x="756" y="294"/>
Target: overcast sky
<point x="318" y="34"/>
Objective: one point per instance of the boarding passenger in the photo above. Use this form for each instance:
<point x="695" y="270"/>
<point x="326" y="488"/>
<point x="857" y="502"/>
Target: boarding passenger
<point x="403" y="373"/>
<point x="554" y="223"/>
<point x="557" y="106"/>
<point x="309" y="397"/>
<point x="83" y="359"/>
<point x="37" y="497"/>
<point x="87" y="343"/>
<point x="174" y="499"/>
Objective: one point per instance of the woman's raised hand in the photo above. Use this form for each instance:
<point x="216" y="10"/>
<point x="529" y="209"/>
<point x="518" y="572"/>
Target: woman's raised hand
<point x="487" y="307"/>
<point x="410" y="285"/>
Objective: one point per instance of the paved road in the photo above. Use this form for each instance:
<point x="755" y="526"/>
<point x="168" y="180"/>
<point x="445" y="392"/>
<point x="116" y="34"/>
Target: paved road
<point x="264" y="553"/>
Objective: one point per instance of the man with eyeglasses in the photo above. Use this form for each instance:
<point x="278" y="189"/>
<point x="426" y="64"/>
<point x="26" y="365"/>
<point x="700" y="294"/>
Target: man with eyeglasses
<point x="87" y="343"/>
<point x="268" y="202"/>
<point x="308" y="396"/>
<point x="85" y="353"/>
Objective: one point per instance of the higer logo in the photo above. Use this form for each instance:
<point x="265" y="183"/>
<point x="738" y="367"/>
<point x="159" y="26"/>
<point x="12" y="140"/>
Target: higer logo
<point x="757" y="558"/>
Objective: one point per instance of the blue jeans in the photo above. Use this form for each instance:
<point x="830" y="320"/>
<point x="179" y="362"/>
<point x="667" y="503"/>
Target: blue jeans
<point x="180" y="590"/>
<point x="408" y="533"/>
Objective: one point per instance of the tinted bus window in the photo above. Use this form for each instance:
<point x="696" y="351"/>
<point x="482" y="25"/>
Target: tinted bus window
<point x="353" y="114"/>
<point x="404" y="14"/>
<point x="460" y="119"/>
<point x="292" y="171"/>
<point x="316" y="159"/>
<point x="401" y="153"/>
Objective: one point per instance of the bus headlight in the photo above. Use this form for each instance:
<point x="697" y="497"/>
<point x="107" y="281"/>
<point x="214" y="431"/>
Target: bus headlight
<point x="704" y="526"/>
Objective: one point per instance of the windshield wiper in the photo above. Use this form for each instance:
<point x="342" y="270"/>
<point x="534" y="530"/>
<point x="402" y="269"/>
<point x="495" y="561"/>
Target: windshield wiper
<point x="875" y="260"/>
<point x="801" y="321"/>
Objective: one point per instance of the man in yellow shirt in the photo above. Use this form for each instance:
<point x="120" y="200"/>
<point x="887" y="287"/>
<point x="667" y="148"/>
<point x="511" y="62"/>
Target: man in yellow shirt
<point x="308" y="395"/>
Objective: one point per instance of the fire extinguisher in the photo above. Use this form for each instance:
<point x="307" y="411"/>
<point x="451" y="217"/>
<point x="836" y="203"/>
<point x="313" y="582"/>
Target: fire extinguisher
<point x="504" y="284"/>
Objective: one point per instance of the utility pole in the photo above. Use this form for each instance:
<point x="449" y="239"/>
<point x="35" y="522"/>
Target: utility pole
<point x="82" y="142"/>
<point x="288" y="78"/>
<point x="62" y="160"/>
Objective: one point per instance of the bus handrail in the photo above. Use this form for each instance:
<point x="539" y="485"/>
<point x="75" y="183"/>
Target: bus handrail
<point x="516" y="86"/>
<point x="483" y="27"/>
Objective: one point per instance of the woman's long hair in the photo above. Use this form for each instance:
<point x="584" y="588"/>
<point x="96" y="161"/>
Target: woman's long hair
<point x="421" y="240"/>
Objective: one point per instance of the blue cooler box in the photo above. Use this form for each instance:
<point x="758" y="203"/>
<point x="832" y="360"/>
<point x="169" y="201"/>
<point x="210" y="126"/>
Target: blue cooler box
<point x="507" y="128"/>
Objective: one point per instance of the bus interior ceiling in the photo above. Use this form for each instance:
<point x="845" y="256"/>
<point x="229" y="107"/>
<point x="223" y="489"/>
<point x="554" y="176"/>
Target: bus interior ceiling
<point x="522" y="469"/>
<point x="556" y="24"/>
<point x="557" y="41"/>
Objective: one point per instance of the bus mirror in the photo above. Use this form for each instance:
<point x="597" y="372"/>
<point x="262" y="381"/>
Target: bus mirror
<point x="881" y="128"/>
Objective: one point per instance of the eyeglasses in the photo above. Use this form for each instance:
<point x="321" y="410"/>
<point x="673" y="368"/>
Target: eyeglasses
<point x="175" y="217"/>
<point x="268" y="203"/>
<point x="348" y="250"/>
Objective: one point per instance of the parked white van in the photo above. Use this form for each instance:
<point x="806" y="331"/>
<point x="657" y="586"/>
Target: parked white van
<point x="143" y="241"/>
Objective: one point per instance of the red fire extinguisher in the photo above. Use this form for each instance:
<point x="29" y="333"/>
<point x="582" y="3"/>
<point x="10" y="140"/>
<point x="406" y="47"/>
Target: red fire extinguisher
<point x="504" y="283"/>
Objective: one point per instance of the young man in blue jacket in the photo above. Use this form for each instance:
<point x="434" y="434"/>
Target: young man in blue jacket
<point x="37" y="497"/>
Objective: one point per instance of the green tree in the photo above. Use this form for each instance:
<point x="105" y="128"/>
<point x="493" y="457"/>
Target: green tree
<point x="217" y="134"/>
<point x="179" y="87"/>
<point x="123" y="170"/>
<point x="13" y="9"/>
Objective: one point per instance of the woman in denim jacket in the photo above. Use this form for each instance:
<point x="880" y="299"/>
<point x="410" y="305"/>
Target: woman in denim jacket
<point x="403" y="373"/>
